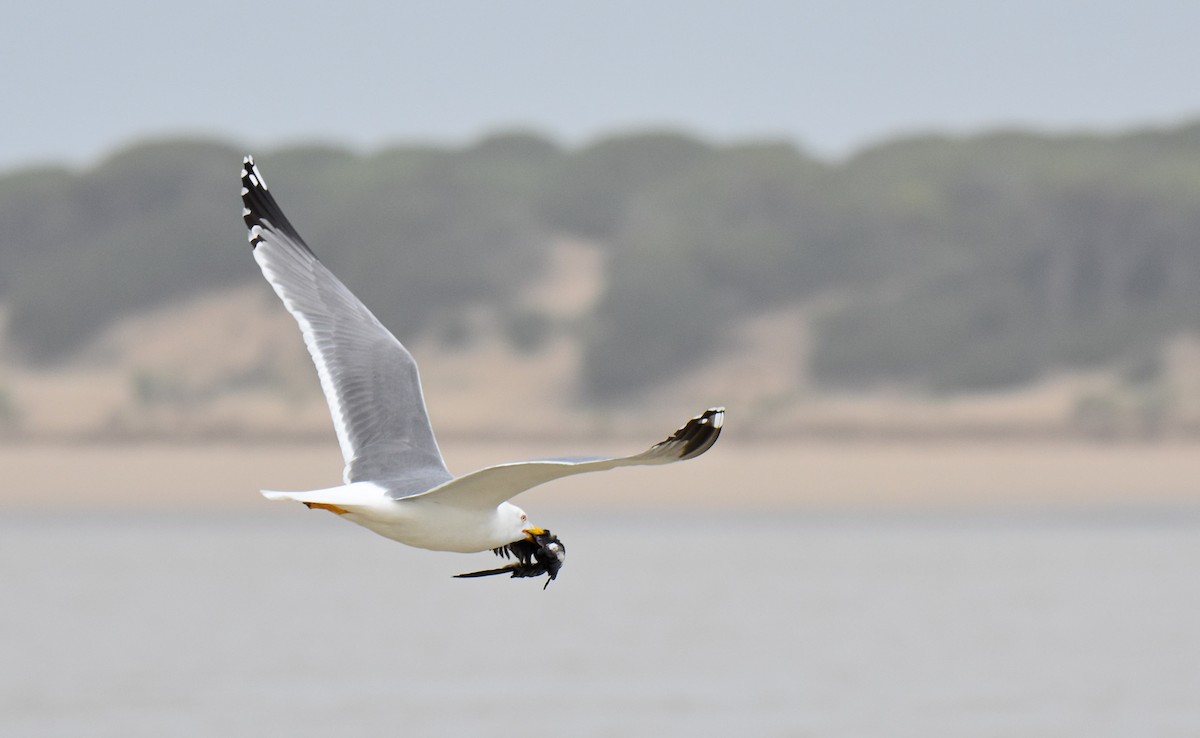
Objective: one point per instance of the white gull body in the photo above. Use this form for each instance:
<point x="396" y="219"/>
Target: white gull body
<point x="396" y="482"/>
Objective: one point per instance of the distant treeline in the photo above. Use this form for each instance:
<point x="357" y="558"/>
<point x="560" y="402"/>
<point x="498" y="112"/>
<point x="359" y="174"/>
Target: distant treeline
<point x="946" y="264"/>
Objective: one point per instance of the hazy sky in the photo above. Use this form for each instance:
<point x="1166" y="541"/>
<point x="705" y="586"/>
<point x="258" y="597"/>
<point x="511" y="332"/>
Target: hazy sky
<point x="82" y="78"/>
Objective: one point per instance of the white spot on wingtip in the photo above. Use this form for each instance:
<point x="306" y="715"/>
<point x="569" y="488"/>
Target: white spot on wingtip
<point x="253" y="179"/>
<point x="245" y="212"/>
<point x="256" y="177"/>
<point x="245" y="192"/>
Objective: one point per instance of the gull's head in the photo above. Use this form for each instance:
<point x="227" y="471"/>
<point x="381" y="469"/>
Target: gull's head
<point x="514" y="521"/>
<point x="517" y="524"/>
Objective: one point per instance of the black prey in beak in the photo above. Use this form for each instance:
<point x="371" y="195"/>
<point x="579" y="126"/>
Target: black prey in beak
<point x="537" y="554"/>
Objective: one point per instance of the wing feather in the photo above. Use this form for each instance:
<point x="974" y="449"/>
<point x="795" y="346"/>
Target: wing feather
<point x="370" y="380"/>
<point x="495" y="484"/>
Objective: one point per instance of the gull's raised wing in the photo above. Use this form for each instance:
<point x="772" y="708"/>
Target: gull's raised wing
<point x="370" y="380"/>
<point x="495" y="484"/>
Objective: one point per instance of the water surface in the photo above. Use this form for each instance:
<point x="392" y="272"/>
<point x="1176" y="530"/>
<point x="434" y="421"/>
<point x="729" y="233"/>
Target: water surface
<point x="297" y="624"/>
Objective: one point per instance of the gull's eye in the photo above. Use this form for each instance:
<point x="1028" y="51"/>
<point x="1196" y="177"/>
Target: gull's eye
<point x="524" y="516"/>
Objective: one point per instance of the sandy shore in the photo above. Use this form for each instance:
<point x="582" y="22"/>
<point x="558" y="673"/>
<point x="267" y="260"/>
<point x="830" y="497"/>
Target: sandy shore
<point x="782" y="475"/>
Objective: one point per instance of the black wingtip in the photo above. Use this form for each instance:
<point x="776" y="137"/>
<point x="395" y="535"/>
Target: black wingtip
<point x="259" y="209"/>
<point x="254" y="199"/>
<point x="698" y="434"/>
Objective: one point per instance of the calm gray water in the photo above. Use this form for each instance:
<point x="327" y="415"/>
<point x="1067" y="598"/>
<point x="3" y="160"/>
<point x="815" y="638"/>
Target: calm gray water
<point x="1069" y="624"/>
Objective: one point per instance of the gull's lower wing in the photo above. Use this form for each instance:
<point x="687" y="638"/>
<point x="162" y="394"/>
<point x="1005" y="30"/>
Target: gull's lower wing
<point x="495" y="484"/>
<point x="370" y="380"/>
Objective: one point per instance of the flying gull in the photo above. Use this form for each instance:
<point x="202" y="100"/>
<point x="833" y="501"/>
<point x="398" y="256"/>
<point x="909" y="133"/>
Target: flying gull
<point x="396" y="483"/>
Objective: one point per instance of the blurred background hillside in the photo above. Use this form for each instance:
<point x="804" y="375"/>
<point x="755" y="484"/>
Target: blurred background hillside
<point x="998" y="284"/>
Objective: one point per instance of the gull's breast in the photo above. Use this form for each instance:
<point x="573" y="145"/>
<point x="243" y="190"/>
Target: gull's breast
<point x="422" y="523"/>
